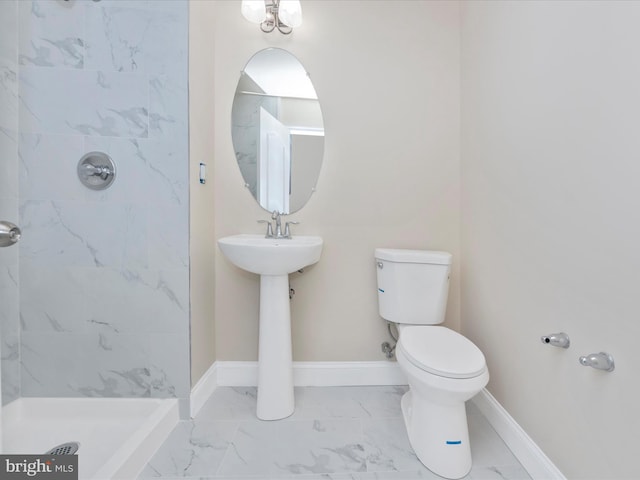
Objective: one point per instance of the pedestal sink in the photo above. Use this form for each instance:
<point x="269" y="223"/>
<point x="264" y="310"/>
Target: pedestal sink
<point x="273" y="259"/>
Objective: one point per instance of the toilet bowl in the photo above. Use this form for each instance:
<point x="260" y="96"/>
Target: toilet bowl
<point x="444" y="369"/>
<point x="434" y="407"/>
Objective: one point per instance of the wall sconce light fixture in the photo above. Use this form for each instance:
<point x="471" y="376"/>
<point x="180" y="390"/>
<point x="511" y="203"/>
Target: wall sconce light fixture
<point x="284" y="15"/>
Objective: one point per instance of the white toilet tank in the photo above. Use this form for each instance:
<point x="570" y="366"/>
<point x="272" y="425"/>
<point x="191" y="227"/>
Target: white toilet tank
<point x="413" y="285"/>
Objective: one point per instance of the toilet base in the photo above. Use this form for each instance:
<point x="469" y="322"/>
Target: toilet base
<point x="439" y="435"/>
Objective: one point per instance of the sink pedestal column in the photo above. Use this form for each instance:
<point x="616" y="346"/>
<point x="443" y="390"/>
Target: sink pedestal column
<point x="275" y="362"/>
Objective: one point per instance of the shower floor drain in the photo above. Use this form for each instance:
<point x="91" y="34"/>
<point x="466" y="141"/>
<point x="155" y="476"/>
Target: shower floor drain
<point x="68" y="448"/>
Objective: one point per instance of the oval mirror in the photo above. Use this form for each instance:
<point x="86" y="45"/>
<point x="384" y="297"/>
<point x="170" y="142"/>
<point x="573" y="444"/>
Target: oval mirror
<point x="277" y="131"/>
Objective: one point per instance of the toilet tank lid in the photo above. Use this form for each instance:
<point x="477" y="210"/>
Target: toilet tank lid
<point x="413" y="256"/>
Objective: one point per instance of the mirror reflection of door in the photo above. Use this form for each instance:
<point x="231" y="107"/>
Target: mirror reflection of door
<point x="274" y="164"/>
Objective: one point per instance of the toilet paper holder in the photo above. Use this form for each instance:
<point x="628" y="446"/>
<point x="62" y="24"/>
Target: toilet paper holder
<point x="600" y="361"/>
<point x="556" y="340"/>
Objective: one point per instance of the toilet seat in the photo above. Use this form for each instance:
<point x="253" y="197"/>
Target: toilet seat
<point x="441" y="351"/>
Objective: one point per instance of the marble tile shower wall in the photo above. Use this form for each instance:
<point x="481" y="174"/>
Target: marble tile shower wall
<point x="104" y="275"/>
<point x="245" y="117"/>
<point x="9" y="316"/>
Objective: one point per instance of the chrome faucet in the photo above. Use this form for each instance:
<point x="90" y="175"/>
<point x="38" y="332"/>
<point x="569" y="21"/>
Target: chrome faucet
<point x="278" y="229"/>
<point x="276" y="216"/>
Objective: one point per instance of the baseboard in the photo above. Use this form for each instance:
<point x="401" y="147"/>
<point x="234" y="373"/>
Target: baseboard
<point x="317" y="374"/>
<point x="336" y="374"/>
<point x="237" y="374"/>
<point x="534" y="461"/>
<point x="202" y="390"/>
<point x="305" y="374"/>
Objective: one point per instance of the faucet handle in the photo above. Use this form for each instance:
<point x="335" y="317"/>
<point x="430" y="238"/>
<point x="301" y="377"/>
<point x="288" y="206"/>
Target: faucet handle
<point x="269" y="233"/>
<point x="287" y="230"/>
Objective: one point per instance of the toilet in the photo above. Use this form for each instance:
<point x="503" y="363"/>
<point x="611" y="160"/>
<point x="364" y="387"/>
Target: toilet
<point x="444" y="369"/>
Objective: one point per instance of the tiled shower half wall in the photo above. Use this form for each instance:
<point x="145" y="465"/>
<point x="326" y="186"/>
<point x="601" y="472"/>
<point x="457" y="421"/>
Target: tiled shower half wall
<point x="103" y="277"/>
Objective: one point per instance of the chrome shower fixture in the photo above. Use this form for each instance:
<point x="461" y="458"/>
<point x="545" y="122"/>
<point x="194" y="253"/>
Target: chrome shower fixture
<point x="96" y="170"/>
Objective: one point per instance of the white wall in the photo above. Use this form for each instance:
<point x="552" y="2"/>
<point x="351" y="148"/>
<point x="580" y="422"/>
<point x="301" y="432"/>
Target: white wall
<point x="550" y="230"/>
<point x="202" y="200"/>
<point x="388" y="81"/>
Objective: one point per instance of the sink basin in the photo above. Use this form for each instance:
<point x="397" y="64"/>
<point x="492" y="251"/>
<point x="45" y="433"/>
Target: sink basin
<point x="271" y="256"/>
<point x="273" y="259"/>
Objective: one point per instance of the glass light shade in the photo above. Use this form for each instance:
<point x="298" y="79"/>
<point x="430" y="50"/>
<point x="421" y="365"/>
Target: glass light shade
<point x="290" y="12"/>
<point x="253" y="10"/>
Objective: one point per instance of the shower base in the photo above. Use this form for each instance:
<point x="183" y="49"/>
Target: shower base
<point x="117" y="436"/>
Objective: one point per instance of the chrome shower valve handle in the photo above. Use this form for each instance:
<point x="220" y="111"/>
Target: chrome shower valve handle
<point x="96" y="170"/>
<point x="101" y="171"/>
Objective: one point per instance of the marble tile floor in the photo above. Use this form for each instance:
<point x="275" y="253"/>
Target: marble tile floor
<point x="336" y="433"/>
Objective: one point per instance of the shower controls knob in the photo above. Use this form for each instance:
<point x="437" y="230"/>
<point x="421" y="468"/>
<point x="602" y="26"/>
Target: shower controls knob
<point x="96" y="170"/>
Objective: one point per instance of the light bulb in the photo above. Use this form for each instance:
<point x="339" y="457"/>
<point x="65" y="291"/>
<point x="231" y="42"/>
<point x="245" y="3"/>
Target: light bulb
<point x="290" y="13"/>
<point x="253" y="10"/>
